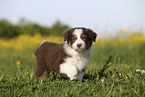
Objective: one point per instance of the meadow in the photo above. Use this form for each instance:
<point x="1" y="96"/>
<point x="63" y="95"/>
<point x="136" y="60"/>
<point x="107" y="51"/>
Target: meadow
<point x="116" y="68"/>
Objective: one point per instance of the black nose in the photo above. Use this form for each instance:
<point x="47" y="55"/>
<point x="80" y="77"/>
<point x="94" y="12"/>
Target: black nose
<point x="79" y="45"/>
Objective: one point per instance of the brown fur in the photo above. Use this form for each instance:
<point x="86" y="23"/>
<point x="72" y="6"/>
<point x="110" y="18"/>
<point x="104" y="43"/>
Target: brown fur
<point x="49" y="57"/>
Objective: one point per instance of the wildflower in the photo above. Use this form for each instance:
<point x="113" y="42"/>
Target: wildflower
<point x="27" y="72"/>
<point x="102" y="80"/>
<point x="119" y="74"/>
<point x="18" y="62"/>
<point x="138" y="70"/>
<point x="143" y="71"/>
<point x="128" y="66"/>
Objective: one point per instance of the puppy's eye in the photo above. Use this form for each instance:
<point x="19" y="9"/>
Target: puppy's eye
<point x="74" y="39"/>
<point x="84" y="38"/>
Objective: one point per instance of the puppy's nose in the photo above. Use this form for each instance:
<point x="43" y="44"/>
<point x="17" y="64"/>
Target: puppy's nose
<point x="79" y="45"/>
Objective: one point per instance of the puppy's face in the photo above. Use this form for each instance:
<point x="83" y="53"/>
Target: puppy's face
<point x="79" y="39"/>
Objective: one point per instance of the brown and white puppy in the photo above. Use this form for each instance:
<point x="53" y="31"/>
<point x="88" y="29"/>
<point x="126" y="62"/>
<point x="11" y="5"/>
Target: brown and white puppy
<point x="70" y="58"/>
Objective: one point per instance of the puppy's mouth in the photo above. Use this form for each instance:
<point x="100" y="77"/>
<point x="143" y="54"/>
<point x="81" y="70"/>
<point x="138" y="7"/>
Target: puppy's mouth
<point x="80" y="49"/>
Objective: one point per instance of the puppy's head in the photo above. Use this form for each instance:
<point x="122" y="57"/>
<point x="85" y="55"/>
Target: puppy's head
<point x="79" y="39"/>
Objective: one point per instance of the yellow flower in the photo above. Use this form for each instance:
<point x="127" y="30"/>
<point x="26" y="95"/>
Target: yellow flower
<point x="27" y="72"/>
<point x="128" y="66"/>
<point x="18" y="62"/>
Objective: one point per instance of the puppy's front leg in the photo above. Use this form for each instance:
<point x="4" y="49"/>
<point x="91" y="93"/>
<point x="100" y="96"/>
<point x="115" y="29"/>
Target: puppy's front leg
<point x="80" y="76"/>
<point x="69" y="70"/>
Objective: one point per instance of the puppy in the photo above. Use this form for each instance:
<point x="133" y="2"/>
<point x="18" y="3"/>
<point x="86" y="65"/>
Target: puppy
<point x="70" y="58"/>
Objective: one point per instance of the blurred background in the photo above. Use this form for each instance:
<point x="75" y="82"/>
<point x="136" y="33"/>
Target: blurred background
<point x="120" y="25"/>
<point x="52" y="17"/>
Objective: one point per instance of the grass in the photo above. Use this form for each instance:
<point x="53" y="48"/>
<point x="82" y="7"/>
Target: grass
<point x="105" y="76"/>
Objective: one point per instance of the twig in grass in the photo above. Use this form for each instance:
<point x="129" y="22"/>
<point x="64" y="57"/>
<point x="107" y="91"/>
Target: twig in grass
<point x="106" y="66"/>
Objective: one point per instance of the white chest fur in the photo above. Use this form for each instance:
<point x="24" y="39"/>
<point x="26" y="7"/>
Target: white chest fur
<point x="75" y="65"/>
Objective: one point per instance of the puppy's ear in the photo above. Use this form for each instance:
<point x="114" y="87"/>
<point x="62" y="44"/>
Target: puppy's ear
<point x="67" y="34"/>
<point x="92" y="35"/>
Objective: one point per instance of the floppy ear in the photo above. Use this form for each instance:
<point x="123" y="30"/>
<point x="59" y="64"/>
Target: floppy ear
<point x="92" y="34"/>
<point x="67" y="34"/>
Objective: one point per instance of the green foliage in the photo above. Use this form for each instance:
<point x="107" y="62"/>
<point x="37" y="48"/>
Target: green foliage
<point x="9" y="30"/>
<point x="31" y="28"/>
<point x="58" y="28"/>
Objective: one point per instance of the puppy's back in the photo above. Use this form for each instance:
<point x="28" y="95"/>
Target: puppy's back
<point x="50" y="56"/>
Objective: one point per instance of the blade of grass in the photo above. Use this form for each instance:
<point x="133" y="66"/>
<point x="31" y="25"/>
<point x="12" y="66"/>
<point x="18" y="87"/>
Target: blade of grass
<point x="110" y="89"/>
<point x="135" y="92"/>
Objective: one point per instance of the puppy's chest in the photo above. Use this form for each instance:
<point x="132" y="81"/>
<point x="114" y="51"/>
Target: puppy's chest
<point x="79" y="62"/>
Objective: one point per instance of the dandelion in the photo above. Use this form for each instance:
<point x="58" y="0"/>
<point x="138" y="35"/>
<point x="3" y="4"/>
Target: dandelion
<point x="138" y="70"/>
<point x="128" y="66"/>
<point x="27" y="72"/>
<point x="18" y="63"/>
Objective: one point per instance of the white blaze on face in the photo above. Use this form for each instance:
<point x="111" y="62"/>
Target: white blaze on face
<point x="79" y="44"/>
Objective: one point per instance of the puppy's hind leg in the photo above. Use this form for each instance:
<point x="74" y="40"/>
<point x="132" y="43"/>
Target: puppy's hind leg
<point x="41" y="72"/>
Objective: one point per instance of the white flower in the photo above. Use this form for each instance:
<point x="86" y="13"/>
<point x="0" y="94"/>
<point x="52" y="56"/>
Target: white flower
<point x="143" y="71"/>
<point x="119" y="74"/>
<point x="102" y="80"/>
<point x="138" y="70"/>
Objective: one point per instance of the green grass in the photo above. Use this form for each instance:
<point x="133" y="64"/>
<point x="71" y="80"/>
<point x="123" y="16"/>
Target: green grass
<point x="120" y="78"/>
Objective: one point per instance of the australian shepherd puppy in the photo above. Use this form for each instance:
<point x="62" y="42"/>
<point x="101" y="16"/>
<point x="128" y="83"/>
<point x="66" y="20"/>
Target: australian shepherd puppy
<point x="70" y="58"/>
